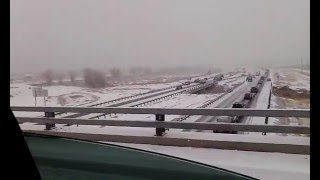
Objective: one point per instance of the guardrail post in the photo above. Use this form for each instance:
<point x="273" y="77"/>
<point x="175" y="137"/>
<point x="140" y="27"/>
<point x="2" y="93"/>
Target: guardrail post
<point x="269" y="102"/>
<point x="49" y="126"/>
<point x="160" y="131"/>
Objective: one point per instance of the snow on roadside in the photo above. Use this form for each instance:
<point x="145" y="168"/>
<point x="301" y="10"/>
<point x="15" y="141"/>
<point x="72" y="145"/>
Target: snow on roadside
<point x="293" y="78"/>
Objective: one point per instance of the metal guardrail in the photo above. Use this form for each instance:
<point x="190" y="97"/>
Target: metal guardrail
<point x="160" y="113"/>
<point x="305" y="113"/>
<point x="174" y="125"/>
<point x="263" y="145"/>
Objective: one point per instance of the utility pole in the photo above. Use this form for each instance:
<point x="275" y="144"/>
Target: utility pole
<point x="35" y="98"/>
<point x="301" y="64"/>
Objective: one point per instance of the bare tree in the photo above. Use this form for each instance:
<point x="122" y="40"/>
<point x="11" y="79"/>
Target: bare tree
<point x="134" y="71"/>
<point x="88" y="77"/>
<point x="115" y="73"/>
<point x="147" y="71"/>
<point x="72" y="76"/>
<point x="100" y="80"/>
<point x="60" y="77"/>
<point x="48" y="76"/>
<point x="94" y="79"/>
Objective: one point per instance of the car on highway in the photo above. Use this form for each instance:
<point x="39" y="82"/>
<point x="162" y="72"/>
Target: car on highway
<point x="248" y="96"/>
<point x="254" y="90"/>
<point x="179" y="87"/>
<point x="268" y="79"/>
<point x="186" y="83"/>
<point x="237" y="105"/>
<point x="260" y="81"/>
<point x="249" y="79"/>
<point x="229" y="90"/>
<point x="218" y="77"/>
<point x="225" y="119"/>
<point x="197" y="80"/>
<point x="202" y="81"/>
<point x="262" y="77"/>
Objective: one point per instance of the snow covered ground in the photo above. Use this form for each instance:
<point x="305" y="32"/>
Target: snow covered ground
<point x="256" y="164"/>
<point x="299" y="82"/>
<point x="21" y="94"/>
<point x="294" y="78"/>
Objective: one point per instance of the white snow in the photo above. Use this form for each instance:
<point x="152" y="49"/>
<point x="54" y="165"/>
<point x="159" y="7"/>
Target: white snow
<point x="293" y="78"/>
<point x="257" y="164"/>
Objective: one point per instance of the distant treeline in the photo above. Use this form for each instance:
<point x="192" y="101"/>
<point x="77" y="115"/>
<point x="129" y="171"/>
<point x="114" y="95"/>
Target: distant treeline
<point x="304" y="66"/>
<point x="96" y="78"/>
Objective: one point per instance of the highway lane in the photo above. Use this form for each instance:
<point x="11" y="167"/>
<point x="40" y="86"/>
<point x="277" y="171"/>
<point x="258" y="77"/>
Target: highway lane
<point x="135" y="101"/>
<point x="236" y="96"/>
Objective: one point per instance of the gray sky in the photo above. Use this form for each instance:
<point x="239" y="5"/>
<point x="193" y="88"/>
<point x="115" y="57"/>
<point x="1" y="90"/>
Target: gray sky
<point x="69" y="34"/>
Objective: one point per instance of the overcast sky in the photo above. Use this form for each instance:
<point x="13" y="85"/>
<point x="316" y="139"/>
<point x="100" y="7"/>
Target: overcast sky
<point x="71" y="34"/>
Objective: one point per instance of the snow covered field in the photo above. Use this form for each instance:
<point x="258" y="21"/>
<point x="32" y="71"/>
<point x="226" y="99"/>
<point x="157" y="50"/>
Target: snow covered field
<point x="21" y="94"/>
<point x="292" y="89"/>
<point x="294" y="78"/>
